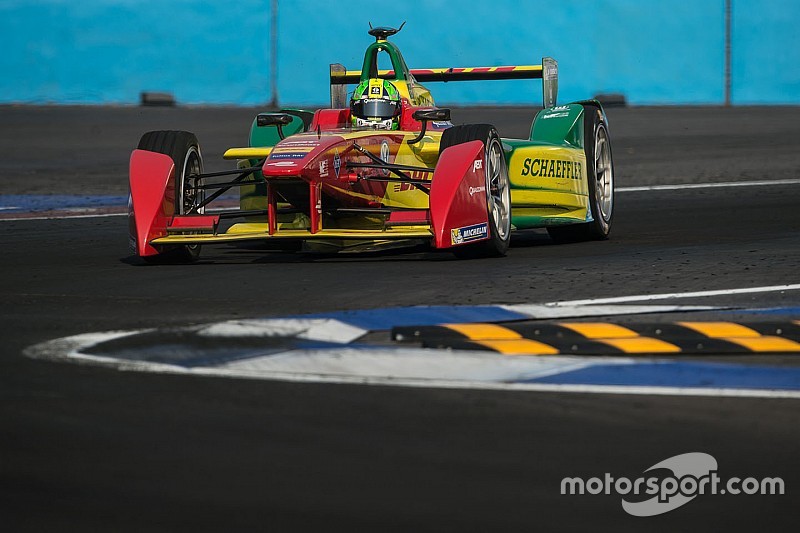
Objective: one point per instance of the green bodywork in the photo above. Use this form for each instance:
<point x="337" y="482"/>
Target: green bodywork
<point x="559" y="127"/>
<point x="370" y="66"/>
<point x="253" y="197"/>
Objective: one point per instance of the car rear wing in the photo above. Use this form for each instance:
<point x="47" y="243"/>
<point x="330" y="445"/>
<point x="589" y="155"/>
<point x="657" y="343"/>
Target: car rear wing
<point x="547" y="72"/>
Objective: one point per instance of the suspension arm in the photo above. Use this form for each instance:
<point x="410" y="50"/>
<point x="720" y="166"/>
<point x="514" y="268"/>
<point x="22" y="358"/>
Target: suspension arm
<point x="226" y="187"/>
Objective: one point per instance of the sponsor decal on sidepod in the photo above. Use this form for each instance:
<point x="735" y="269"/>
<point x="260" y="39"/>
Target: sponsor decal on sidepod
<point x="552" y="168"/>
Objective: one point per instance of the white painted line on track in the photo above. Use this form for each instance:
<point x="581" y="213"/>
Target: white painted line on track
<point x="675" y="187"/>
<point x="70" y="347"/>
<point x="319" y="329"/>
<point x="41" y="351"/>
<point x="668" y="296"/>
<point x="62" y="217"/>
<point x="66" y="217"/>
<point x="583" y="310"/>
<point x="414" y="364"/>
<point x="719" y="185"/>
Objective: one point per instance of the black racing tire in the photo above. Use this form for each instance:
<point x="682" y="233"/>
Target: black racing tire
<point x="600" y="174"/>
<point x="183" y="148"/>
<point x="498" y="189"/>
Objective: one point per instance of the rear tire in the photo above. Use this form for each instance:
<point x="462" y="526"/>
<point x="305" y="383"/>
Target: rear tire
<point x="600" y="174"/>
<point x="184" y="150"/>
<point x="498" y="189"/>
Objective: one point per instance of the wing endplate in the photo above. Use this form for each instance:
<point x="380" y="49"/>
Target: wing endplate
<point x="459" y="211"/>
<point x="152" y="198"/>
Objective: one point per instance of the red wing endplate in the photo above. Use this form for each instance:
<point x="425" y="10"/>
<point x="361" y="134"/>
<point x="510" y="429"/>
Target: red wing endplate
<point x="459" y="212"/>
<point x="152" y="198"/>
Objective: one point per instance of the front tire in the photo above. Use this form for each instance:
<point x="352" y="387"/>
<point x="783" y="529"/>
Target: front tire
<point x="183" y="148"/>
<point x="498" y="189"/>
<point x="600" y="174"/>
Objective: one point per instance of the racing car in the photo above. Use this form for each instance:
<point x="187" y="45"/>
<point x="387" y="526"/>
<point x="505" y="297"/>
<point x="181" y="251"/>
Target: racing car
<point x="380" y="168"/>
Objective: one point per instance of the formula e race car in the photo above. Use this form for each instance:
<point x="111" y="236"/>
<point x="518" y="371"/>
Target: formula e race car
<point x="382" y="168"/>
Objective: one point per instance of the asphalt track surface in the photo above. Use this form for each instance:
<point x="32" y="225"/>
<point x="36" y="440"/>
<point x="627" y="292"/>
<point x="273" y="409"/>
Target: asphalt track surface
<point x="85" y="448"/>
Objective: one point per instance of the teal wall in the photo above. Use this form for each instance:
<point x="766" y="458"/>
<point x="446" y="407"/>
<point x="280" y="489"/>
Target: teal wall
<point x="204" y="52"/>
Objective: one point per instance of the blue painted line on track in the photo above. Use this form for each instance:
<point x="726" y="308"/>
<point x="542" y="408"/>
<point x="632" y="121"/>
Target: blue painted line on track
<point x="381" y="319"/>
<point x="20" y="203"/>
<point x="788" y="311"/>
<point x="681" y="374"/>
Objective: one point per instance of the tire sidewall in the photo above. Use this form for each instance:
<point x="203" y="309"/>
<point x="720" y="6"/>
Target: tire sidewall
<point x="181" y="178"/>
<point x="486" y="133"/>
<point x="180" y="146"/>
<point x="499" y="243"/>
<point x="594" y="123"/>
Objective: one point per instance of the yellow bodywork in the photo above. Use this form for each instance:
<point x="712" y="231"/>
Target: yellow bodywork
<point x="259" y="152"/>
<point x="253" y="231"/>
<point x="549" y="181"/>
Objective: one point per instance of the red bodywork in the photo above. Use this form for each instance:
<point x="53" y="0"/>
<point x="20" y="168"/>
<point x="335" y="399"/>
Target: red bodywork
<point x="321" y="158"/>
<point x="458" y="192"/>
<point x="152" y="187"/>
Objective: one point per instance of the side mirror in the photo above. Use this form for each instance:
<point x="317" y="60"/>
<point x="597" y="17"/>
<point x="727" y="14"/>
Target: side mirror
<point x="274" y="119"/>
<point x="437" y="114"/>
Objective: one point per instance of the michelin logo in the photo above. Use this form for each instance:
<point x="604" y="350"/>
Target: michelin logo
<point x="469" y="233"/>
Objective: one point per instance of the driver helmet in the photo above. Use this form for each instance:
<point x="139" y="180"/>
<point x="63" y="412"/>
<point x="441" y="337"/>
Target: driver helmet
<point x="376" y="105"/>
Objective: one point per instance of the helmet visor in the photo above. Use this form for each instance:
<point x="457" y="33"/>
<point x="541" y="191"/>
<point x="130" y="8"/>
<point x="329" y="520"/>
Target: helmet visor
<point x="375" y="108"/>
